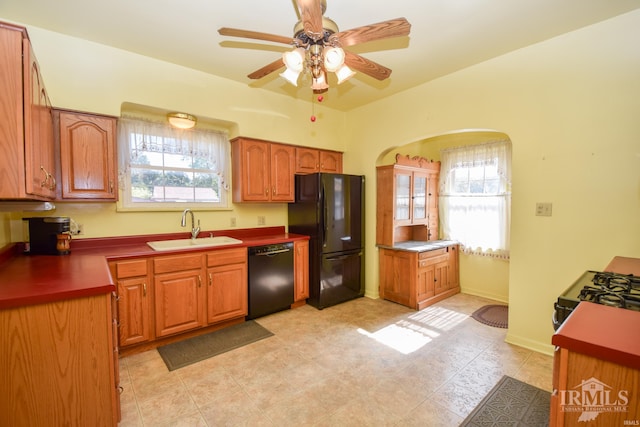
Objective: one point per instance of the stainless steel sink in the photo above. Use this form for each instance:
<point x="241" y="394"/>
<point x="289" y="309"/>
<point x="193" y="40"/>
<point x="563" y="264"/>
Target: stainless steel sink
<point x="170" y="245"/>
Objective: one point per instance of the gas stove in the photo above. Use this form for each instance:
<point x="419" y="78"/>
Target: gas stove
<point x="612" y="289"/>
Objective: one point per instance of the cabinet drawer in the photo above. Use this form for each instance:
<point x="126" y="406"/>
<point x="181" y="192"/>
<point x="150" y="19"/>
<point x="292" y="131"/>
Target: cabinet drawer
<point x="137" y="267"/>
<point x="433" y="253"/>
<point x="177" y="263"/>
<point x="433" y="260"/>
<point x="227" y="256"/>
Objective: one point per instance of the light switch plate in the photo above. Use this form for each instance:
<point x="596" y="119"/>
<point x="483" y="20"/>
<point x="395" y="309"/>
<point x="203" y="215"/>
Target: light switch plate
<point x="543" y="209"/>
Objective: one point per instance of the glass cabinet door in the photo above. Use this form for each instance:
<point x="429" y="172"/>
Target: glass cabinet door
<point x="403" y="196"/>
<point x="419" y="198"/>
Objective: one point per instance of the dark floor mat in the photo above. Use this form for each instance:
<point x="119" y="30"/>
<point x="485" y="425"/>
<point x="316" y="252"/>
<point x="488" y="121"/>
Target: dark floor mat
<point x="182" y="353"/>
<point x="493" y="315"/>
<point x="511" y="403"/>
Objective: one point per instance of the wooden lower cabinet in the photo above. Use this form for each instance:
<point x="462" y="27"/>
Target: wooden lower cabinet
<point x="301" y="270"/>
<point x="179" y="293"/>
<point x="227" y="291"/>
<point x="418" y="279"/>
<point x="134" y="301"/>
<point x="60" y="364"/>
<point x="575" y="373"/>
<point x="165" y="296"/>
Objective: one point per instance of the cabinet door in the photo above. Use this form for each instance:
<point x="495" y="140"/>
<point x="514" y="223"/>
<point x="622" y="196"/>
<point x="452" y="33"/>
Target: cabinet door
<point x="38" y="131"/>
<point x="227" y="292"/>
<point x="307" y="160"/>
<point x="301" y="270"/>
<point x="402" y="194"/>
<point x="134" y="310"/>
<point x="253" y="171"/>
<point x="441" y="279"/>
<point x="396" y="281"/>
<point x="87" y="156"/>
<point x="425" y="285"/>
<point x="432" y="205"/>
<point x="179" y="294"/>
<point x="330" y="162"/>
<point x="419" y="193"/>
<point x="282" y="173"/>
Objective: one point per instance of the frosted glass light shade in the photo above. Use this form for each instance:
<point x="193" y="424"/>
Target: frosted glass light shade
<point x="294" y="60"/>
<point x="333" y="58"/>
<point x="290" y="76"/>
<point x="344" y="74"/>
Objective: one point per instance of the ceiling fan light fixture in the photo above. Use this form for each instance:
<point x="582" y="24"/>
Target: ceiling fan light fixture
<point x="182" y="120"/>
<point x="294" y="60"/>
<point x="333" y="59"/>
<point x="344" y="74"/>
<point x="319" y="84"/>
<point x="291" y="76"/>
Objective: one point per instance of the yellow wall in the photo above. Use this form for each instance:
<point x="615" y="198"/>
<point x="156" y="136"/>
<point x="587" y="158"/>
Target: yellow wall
<point x="569" y="105"/>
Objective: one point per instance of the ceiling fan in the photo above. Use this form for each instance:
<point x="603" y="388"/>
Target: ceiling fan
<point x="318" y="46"/>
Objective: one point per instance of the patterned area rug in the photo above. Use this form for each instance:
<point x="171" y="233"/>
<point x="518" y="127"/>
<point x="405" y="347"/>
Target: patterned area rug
<point x="511" y="403"/>
<point x="493" y="315"/>
<point x="192" y="350"/>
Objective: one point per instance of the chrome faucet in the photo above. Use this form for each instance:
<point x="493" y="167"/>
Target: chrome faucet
<point x="194" y="230"/>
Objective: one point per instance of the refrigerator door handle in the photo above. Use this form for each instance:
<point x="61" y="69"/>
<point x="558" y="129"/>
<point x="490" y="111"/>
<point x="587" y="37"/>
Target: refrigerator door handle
<point x="341" y="257"/>
<point x="324" y="217"/>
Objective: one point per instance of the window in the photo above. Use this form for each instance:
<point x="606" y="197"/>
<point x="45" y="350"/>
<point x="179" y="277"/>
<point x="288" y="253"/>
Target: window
<point x="165" y="168"/>
<point x="475" y="197"/>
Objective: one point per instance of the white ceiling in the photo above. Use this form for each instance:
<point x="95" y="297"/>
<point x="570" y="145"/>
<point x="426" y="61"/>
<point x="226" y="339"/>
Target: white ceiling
<point x="446" y="35"/>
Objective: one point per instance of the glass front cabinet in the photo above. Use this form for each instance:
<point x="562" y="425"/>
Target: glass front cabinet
<point x="407" y="196"/>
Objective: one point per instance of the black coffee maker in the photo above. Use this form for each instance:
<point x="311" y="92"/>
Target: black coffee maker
<point x="48" y="235"/>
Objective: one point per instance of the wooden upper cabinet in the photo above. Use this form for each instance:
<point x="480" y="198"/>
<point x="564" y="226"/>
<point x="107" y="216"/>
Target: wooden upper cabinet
<point x="407" y="201"/>
<point x="309" y="160"/>
<point x="263" y="171"/>
<point x="88" y="156"/>
<point x="27" y="161"/>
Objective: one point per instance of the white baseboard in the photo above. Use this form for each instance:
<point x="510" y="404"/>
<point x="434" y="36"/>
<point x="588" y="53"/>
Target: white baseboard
<point x="540" y="347"/>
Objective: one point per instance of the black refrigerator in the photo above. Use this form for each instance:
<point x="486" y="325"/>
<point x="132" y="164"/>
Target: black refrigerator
<point x="330" y="209"/>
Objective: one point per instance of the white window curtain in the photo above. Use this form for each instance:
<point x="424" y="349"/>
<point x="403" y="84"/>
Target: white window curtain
<point x="475" y="197"/>
<point x="162" y="138"/>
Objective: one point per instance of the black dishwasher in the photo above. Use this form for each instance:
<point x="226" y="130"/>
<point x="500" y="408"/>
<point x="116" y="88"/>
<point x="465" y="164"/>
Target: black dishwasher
<point x="270" y="279"/>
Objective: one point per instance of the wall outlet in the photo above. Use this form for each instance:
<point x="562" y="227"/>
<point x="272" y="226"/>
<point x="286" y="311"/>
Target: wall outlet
<point x="261" y="220"/>
<point x="232" y="222"/>
<point x="77" y="230"/>
<point x="543" y="209"/>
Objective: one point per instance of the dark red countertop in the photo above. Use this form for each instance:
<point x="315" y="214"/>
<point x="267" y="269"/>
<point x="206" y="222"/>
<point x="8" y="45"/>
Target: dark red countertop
<point x="607" y="333"/>
<point x="36" y="279"/>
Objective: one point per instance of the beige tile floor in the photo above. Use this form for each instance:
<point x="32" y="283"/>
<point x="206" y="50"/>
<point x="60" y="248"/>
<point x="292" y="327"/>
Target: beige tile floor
<point x="361" y="363"/>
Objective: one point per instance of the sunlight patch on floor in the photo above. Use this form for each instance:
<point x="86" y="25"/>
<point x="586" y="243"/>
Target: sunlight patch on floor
<point x="407" y="336"/>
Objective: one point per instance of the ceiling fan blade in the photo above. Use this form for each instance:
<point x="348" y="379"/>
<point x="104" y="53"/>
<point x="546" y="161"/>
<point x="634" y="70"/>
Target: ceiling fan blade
<point x="392" y="28"/>
<point x="311" y="17"/>
<point x="234" y="32"/>
<point x="267" y="69"/>
<point x="366" y="66"/>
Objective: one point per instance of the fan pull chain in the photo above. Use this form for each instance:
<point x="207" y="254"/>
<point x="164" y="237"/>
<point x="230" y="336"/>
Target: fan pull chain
<point x="313" y="107"/>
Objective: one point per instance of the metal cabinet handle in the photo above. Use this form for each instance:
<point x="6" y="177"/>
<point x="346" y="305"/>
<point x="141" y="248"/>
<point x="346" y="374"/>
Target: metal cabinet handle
<point x="210" y="279"/>
<point x="144" y="289"/>
<point x="111" y="186"/>
<point x="199" y="281"/>
<point x="266" y="191"/>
